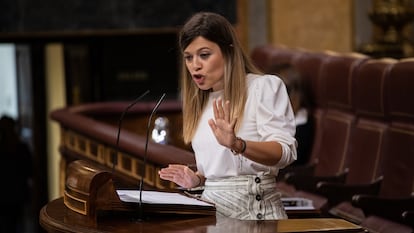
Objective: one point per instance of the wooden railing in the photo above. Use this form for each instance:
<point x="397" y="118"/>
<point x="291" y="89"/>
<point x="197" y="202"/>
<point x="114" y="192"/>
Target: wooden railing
<point x="89" y="132"/>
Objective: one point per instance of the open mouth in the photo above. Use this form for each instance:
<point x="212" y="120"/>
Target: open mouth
<point x="197" y="76"/>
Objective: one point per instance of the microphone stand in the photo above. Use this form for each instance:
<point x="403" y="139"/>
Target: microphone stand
<point x="145" y="155"/>
<point x="115" y="157"/>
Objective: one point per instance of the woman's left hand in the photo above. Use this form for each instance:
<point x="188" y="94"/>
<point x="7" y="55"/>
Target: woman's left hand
<point x="181" y="175"/>
<point x="222" y="128"/>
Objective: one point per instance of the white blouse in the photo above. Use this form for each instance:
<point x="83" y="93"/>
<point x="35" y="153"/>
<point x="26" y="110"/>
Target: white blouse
<point x="268" y="116"/>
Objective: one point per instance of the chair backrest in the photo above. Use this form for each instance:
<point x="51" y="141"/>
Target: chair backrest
<point x="398" y="165"/>
<point x="260" y="56"/>
<point x="309" y="65"/>
<point x="268" y="58"/>
<point x="338" y="119"/>
<point x="368" y="138"/>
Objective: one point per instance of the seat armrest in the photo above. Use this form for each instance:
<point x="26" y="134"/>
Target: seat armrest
<point x="309" y="183"/>
<point x="390" y="208"/>
<point x="408" y="217"/>
<point x="305" y="170"/>
<point x="338" y="192"/>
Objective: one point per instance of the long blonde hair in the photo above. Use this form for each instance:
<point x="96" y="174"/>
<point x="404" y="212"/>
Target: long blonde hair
<point x="217" y="29"/>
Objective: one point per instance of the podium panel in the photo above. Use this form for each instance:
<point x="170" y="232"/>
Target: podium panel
<point x="56" y="217"/>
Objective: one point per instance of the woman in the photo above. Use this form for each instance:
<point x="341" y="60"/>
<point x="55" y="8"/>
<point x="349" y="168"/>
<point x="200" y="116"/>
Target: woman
<point x="240" y="123"/>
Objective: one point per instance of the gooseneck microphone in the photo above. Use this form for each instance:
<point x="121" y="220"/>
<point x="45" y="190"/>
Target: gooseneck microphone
<point x="115" y="157"/>
<point x="145" y="153"/>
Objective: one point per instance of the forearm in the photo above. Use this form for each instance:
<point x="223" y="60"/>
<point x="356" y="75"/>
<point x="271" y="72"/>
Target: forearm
<point x="266" y="153"/>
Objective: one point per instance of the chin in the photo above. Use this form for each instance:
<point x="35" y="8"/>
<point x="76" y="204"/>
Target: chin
<point x="204" y="88"/>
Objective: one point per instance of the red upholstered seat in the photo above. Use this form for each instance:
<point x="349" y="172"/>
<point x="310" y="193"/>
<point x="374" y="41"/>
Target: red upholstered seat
<point x="395" y="196"/>
<point x="399" y="164"/>
<point x="309" y="64"/>
<point x="337" y="122"/>
<point x="367" y="142"/>
<point x="268" y="58"/>
<point x="336" y="83"/>
<point x="364" y="140"/>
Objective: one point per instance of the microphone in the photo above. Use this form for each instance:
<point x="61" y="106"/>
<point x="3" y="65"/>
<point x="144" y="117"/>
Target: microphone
<point x="115" y="157"/>
<point x="145" y="153"/>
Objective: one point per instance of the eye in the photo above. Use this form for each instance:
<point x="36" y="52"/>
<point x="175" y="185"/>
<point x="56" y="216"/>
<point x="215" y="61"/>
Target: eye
<point x="188" y="58"/>
<point x="205" y="55"/>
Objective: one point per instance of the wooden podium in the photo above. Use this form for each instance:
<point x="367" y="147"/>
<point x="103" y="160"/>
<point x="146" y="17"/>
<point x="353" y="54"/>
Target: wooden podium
<point x="57" y="218"/>
<point x="89" y="191"/>
<point x="91" y="204"/>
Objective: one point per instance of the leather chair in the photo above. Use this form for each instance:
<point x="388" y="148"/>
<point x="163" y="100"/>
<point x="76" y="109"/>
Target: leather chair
<point x="309" y="65"/>
<point x="367" y="142"/>
<point x="336" y="84"/>
<point x="336" y="125"/>
<point x="268" y="58"/>
<point x="261" y="56"/>
<point x="395" y="203"/>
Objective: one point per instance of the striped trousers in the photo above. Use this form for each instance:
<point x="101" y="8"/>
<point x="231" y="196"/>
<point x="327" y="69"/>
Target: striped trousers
<point x="247" y="197"/>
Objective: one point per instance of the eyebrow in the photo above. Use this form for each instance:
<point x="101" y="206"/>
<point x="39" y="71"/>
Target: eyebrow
<point x="199" y="49"/>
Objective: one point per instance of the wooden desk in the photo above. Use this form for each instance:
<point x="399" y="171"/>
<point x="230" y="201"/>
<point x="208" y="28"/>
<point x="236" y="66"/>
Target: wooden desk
<point x="55" y="217"/>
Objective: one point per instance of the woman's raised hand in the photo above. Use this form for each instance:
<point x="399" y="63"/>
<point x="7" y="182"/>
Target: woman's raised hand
<point x="222" y="128"/>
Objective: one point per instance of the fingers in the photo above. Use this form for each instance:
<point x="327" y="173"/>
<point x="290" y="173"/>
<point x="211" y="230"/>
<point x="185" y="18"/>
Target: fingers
<point x="212" y="125"/>
<point x="227" y="111"/>
<point x="218" y="108"/>
<point x="179" y="174"/>
<point x="173" y="172"/>
<point x="221" y="111"/>
<point x="172" y="169"/>
<point x="215" y="109"/>
<point x="222" y="125"/>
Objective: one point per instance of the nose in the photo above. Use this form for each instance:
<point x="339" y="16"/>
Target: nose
<point x="196" y="64"/>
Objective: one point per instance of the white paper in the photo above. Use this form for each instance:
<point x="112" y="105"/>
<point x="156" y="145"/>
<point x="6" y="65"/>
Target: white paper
<point x="299" y="203"/>
<point x="155" y="197"/>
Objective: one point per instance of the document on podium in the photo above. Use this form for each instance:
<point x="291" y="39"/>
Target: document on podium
<point x="159" y="201"/>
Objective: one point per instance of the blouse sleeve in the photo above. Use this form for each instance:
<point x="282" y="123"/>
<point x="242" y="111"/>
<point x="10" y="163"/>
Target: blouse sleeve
<point x="275" y="117"/>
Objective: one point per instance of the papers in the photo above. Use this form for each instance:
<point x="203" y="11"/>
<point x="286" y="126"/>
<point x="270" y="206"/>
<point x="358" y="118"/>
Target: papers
<point x="169" y="201"/>
<point x="297" y="203"/>
<point x="162" y="198"/>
